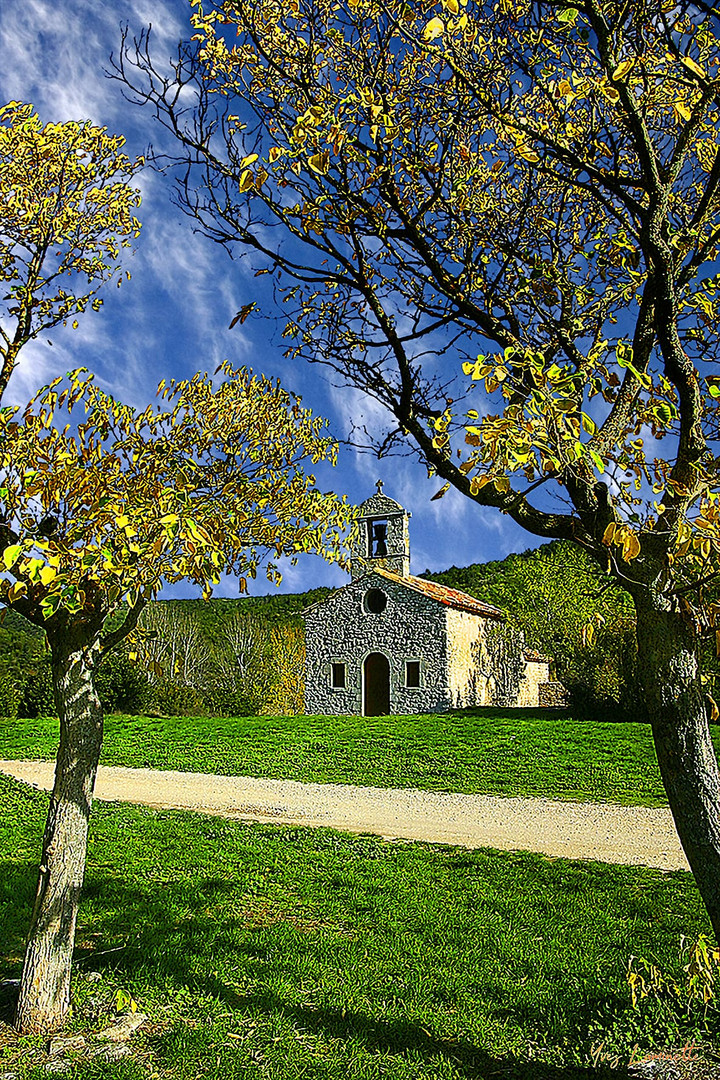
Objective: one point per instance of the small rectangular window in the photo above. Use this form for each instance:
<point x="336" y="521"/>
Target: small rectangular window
<point x="337" y="676"/>
<point x="412" y="674"/>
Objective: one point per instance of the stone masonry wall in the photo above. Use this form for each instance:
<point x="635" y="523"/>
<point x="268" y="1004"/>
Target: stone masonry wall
<point x="553" y="695"/>
<point x="537" y="674"/>
<point x="397" y="559"/>
<point x="339" y="630"/>
<point x="468" y="686"/>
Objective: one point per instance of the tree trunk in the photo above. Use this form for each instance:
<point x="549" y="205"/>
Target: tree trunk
<point x="678" y="711"/>
<point x="44" y="1001"/>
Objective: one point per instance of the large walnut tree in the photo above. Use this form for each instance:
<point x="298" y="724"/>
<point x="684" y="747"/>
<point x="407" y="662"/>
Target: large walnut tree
<point x="502" y="221"/>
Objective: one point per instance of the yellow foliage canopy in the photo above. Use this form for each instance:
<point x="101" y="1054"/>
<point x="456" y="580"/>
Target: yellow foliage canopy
<point x="104" y="511"/>
<point x="67" y="210"/>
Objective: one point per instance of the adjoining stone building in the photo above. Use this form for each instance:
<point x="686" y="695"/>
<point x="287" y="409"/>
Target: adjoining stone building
<point x="389" y="642"/>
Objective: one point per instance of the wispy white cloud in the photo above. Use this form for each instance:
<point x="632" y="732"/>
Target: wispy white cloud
<point x="55" y="55"/>
<point x="172" y="318"/>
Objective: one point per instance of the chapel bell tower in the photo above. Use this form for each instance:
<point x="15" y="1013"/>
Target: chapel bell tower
<point x="380" y="536"/>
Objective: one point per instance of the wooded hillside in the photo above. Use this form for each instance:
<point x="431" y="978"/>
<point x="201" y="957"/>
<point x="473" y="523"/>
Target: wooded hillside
<point x="245" y="655"/>
<point x="569" y="610"/>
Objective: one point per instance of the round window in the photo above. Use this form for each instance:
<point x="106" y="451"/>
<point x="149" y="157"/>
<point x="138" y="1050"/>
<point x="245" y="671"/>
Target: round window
<point x="375" y="601"/>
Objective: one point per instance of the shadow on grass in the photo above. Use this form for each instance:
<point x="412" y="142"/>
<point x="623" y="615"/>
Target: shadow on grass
<point x="18" y="882"/>
<point x="608" y="714"/>
<point x="178" y="938"/>
<point x="190" y="933"/>
<point x="405" y="1038"/>
<point x="494" y="712"/>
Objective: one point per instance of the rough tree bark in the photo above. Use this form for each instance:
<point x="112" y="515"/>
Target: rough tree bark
<point x="44" y="1001"/>
<point x="678" y="712"/>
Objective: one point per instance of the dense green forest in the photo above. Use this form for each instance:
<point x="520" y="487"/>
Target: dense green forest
<point x="224" y="656"/>
<point x="245" y="656"/>
<point x="568" y="609"/>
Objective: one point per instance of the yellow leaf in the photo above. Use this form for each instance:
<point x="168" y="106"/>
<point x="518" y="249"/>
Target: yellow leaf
<point x="18" y="589"/>
<point x="452" y="6"/>
<point x="610" y="92"/>
<point x="692" y="66"/>
<point x="248" y="160"/>
<point x="246" y="180"/>
<point x="11" y="555"/>
<point x="48" y="574"/>
<point x="622" y="69"/>
<point x="435" y="28"/>
<point x="526" y="151"/>
<point x="320" y="163"/>
<point x="609" y="534"/>
<point x="631" y="546"/>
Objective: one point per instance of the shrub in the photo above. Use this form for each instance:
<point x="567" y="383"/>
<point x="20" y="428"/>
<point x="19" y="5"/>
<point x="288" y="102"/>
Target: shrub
<point x="122" y="685"/>
<point x="37" y="697"/>
<point x="9" y="696"/>
<point x="692" y="994"/>
<point x="171" y="699"/>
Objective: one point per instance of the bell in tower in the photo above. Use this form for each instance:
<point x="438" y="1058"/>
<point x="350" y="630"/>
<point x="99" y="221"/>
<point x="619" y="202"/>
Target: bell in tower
<point x="380" y="536"/>
<point x="379" y="539"/>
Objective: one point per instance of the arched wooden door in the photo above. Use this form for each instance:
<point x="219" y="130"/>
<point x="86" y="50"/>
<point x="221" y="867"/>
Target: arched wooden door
<point x="376" y="685"/>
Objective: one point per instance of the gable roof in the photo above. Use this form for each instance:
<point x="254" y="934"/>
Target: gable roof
<point x="534" y="657"/>
<point x="451" y="598"/>
<point x="379" y="505"/>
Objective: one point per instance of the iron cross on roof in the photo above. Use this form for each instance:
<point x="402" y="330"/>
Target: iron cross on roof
<point x="380" y="486"/>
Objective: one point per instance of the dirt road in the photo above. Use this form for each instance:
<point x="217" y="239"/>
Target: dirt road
<point x="634" y="835"/>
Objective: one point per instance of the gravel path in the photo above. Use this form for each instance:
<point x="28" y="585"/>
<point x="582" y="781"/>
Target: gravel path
<point x="634" y="835"/>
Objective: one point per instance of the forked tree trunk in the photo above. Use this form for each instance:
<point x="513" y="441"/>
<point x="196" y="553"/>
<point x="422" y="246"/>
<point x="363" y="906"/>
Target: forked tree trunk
<point x="44" y="1001"/>
<point x="678" y="711"/>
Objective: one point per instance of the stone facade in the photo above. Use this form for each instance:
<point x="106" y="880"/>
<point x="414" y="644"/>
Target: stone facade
<point x="552" y="695"/>
<point x="342" y="631"/>
<point x="381" y="536"/>
<point x="537" y="675"/>
<point x="468" y="682"/>
<point x="389" y="642"/>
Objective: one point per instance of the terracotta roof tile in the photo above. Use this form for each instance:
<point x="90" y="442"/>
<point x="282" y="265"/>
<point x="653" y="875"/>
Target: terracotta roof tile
<point x="536" y="657"/>
<point x="449" y="597"/>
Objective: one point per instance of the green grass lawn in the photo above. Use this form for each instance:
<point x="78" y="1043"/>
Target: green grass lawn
<point x="260" y="951"/>
<point x="513" y="753"/>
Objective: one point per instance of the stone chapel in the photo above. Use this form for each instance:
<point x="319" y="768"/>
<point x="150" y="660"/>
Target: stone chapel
<point x="389" y="642"/>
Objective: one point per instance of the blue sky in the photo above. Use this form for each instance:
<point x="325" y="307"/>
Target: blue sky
<point x="172" y="318"/>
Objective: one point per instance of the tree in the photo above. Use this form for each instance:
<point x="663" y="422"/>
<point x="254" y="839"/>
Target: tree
<point x="286" y="661"/>
<point x="242" y="677"/>
<point x="94" y="518"/>
<point x="176" y="657"/>
<point x="66" y="213"/>
<point x="501" y="220"/>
